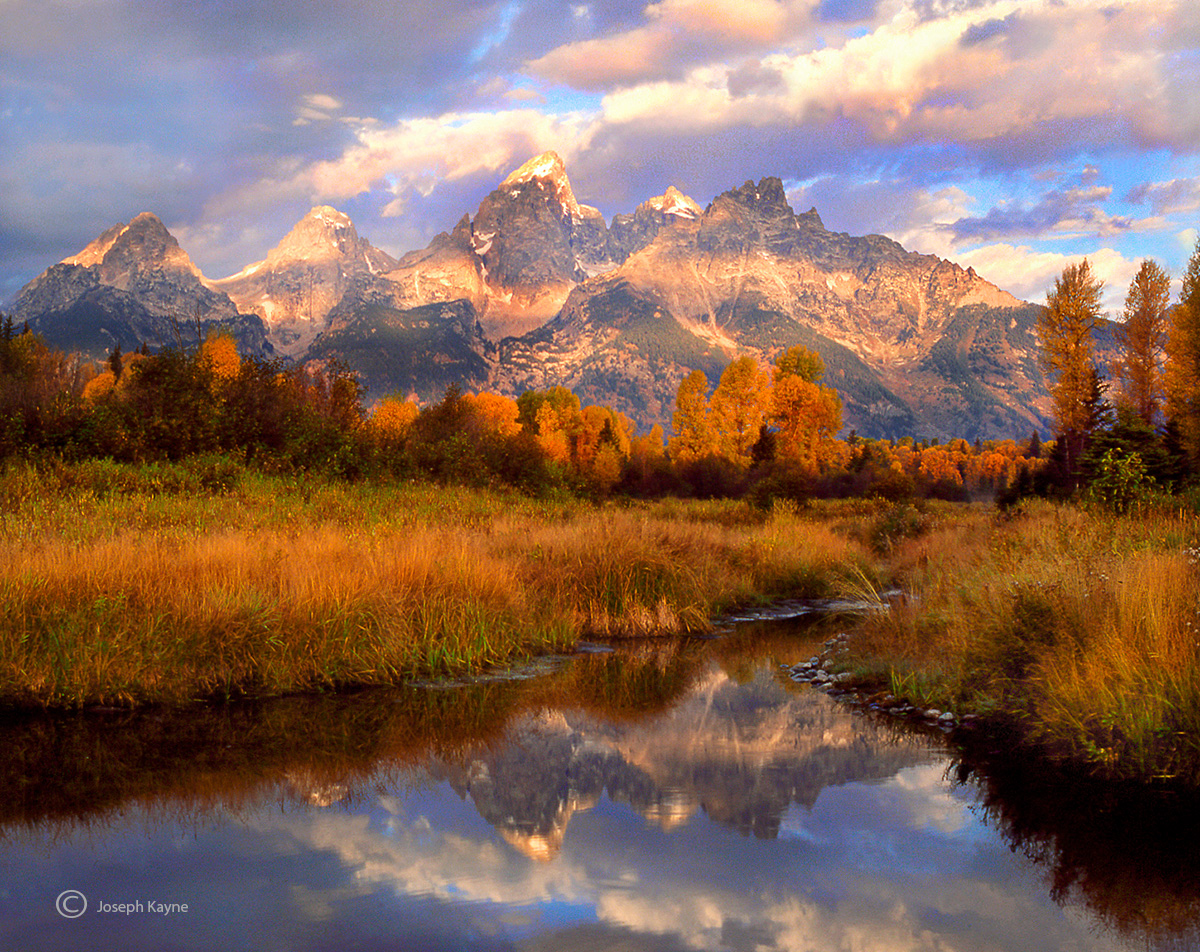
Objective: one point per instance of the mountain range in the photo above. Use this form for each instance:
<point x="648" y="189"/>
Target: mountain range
<point x="538" y="290"/>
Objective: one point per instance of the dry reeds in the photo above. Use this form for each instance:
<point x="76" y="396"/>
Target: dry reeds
<point x="1080" y="627"/>
<point x="137" y="617"/>
<point x="283" y="586"/>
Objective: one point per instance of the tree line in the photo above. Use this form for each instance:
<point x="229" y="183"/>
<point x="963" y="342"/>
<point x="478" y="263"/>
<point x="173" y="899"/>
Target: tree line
<point x="1147" y="434"/>
<point x="763" y="431"/>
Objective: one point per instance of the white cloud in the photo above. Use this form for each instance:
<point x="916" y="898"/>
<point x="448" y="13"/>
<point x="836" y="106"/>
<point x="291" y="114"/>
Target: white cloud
<point x="1169" y="198"/>
<point x="890" y="866"/>
<point x="1057" y="72"/>
<point x="1029" y="273"/>
<point x="417" y="154"/>
<point x="676" y="33"/>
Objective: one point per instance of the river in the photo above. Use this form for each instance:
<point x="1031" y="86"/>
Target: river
<point x="673" y="795"/>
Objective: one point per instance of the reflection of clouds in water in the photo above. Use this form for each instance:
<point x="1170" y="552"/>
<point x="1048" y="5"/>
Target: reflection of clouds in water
<point x="848" y="885"/>
<point x="915" y="798"/>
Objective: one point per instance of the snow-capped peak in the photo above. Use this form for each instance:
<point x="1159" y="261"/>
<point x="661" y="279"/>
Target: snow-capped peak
<point x="547" y="165"/>
<point x="674" y="202"/>
<point x="327" y="215"/>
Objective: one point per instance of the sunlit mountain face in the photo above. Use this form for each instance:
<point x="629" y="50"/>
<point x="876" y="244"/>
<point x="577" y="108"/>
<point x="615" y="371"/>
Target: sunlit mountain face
<point x="537" y="291"/>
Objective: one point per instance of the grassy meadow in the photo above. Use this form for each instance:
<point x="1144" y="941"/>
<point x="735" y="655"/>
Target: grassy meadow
<point x="122" y="585"/>
<point x="1074" y="630"/>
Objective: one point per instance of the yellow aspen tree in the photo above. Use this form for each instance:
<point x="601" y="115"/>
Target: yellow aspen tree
<point x="647" y="454"/>
<point x="493" y="413"/>
<point x="99" y="386"/>
<point x="220" y="352"/>
<point x="1141" y="338"/>
<point x="738" y="409"/>
<point x="806" y="414"/>
<point x="392" y="419"/>
<point x="1182" y="366"/>
<point x="693" y="433"/>
<point x="555" y="419"/>
<point x="1065" y="329"/>
<point x="558" y="424"/>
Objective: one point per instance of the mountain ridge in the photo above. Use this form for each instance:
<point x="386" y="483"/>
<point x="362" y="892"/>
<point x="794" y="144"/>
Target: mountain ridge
<point x="134" y="284"/>
<point x="536" y="290"/>
<point x="302" y="278"/>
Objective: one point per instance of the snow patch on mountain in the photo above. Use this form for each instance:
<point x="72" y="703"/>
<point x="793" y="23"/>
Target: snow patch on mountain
<point x="674" y="202"/>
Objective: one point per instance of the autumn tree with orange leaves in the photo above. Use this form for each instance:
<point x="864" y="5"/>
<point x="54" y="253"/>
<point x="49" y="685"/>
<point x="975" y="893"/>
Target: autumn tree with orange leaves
<point x="1183" y="361"/>
<point x="806" y="414"/>
<point x="1141" y="338"/>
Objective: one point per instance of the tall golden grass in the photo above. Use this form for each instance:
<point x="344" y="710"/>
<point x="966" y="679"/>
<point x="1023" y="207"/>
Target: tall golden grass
<point x="1079" y="627"/>
<point x="132" y="593"/>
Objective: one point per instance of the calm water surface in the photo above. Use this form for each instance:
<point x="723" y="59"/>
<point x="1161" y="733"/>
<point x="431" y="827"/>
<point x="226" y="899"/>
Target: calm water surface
<point x="683" y="795"/>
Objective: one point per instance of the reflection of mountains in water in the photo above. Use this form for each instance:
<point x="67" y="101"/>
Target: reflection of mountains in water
<point x="741" y="753"/>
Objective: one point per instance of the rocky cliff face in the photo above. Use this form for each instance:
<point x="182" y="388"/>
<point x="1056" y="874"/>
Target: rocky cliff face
<point x="631" y="233"/>
<point x="304" y="277"/>
<point x="530" y="243"/>
<point x="416" y="352"/>
<point x="748" y="275"/>
<point x="131" y="285"/>
<point x="536" y="291"/>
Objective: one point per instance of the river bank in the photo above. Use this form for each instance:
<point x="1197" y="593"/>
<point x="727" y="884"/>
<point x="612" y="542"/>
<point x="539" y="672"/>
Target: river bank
<point x="1074" y="631"/>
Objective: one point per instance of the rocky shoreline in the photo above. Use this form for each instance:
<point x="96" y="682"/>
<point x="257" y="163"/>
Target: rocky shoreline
<point x="820" y="671"/>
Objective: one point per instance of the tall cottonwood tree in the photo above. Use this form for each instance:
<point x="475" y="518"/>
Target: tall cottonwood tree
<point x="806" y="414"/>
<point x="693" y="434"/>
<point x="1065" y="329"/>
<point x="1141" y="338"/>
<point x="1182" y="367"/>
<point x="738" y="409"/>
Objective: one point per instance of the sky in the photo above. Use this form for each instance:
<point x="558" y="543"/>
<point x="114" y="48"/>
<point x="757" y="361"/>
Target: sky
<point x="1014" y="136"/>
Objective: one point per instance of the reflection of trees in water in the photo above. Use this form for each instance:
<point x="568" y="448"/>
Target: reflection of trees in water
<point x="184" y="763"/>
<point x="653" y="724"/>
<point x="180" y="764"/>
<point x="1131" y="854"/>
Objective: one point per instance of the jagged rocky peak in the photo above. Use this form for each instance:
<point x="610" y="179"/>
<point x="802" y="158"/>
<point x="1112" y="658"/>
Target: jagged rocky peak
<point x="749" y="215"/>
<point x="548" y="165"/>
<point x="130" y="285"/>
<point x="810" y="220"/>
<point x="297" y="285"/>
<point x="766" y="199"/>
<point x="323" y="233"/>
<point x="545" y="172"/>
<point x="631" y="233"/>
<point x="143" y="243"/>
<point x="532" y="242"/>
<point x="674" y="202"/>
